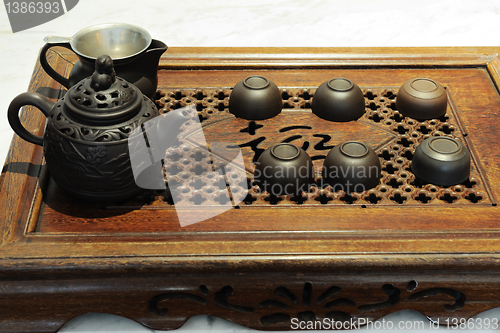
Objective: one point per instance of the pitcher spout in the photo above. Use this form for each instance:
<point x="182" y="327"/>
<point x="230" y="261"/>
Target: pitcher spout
<point x="154" y="52"/>
<point x="157" y="46"/>
<point x="144" y="68"/>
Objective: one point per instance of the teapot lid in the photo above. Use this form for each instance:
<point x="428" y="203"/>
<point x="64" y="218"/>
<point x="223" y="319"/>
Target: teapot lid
<point x="103" y="98"/>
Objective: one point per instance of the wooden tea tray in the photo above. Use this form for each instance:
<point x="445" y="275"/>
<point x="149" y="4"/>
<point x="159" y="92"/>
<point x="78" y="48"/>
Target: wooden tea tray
<point x="402" y="245"/>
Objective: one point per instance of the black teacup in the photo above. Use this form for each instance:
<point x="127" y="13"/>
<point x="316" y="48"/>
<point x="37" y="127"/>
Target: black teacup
<point x="284" y="169"/>
<point x="351" y="167"/>
<point x="255" y="98"/>
<point x="441" y="161"/>
<point x="338" y="99"/>
<point x="422" y="99"/>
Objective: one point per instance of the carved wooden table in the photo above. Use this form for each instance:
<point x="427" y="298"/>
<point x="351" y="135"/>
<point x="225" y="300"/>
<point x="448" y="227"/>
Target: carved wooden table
<point x="324" y="254"/>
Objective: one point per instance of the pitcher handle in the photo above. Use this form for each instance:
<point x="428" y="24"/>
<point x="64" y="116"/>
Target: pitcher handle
<point x="45" y="64"/>
<point x="28" y="98"/>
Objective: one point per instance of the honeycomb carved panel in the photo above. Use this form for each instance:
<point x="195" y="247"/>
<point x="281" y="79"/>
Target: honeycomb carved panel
<point x="393" y="136"/>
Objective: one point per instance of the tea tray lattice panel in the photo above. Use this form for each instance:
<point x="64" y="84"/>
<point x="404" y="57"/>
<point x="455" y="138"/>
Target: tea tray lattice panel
<point x="393" y="136"/>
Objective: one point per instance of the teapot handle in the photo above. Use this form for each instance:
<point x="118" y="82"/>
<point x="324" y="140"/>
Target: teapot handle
<point x="48" y="69"/>
<point x="28" y="98"/>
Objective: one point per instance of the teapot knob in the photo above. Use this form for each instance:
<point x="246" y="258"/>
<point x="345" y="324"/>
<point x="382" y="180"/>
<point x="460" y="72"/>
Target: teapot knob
<point x="104" y="75"/>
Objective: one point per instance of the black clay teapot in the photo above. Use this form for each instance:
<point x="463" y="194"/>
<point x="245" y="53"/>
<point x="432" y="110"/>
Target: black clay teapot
<point x="135" y="54"/>
<point x="85" y="142"/>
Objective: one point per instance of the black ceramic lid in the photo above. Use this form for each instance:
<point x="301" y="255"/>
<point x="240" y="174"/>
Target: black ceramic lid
<point x="103" y="98"/>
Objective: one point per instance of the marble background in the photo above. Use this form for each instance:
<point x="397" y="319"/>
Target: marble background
<point x="250" y="23"/>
